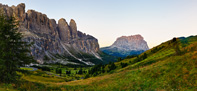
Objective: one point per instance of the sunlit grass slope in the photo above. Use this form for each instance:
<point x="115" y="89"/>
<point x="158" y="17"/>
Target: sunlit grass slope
<point x="161" y="70"/>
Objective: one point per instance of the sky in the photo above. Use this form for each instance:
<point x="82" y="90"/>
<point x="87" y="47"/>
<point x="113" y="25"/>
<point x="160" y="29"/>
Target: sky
<point x="156" y="20"/>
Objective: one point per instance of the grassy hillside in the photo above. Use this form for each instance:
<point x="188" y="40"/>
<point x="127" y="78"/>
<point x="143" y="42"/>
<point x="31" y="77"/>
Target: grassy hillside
<point x="159" y="68"/>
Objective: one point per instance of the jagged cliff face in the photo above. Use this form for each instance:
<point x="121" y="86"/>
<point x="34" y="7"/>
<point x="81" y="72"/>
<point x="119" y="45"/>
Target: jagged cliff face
<point x="56" y="42"/>
<point x="127" y="45"/>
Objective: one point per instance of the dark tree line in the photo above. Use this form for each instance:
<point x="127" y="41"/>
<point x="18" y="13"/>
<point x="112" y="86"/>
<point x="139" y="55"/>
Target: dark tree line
<point x="131" y="56"/>
<point x="140" y="58"/>
<point x="99" y="69"/>
<point x="43" y="68"/>
<point x="156" y="49"/>
<point x="111" y="66"/>
<point x="95" y="69"/>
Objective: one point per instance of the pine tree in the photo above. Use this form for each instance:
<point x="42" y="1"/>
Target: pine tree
<point x="80" y="71"/>
<point x="13" y="51"/>
<point x="144" y="56"/>
<point x="176" y="46"/>
<point x="60" y="72"/>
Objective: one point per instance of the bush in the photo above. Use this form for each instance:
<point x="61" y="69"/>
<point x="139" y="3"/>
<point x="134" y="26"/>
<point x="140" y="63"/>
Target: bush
<point x="86" y="76"/>
<point x="119" y="59"/>
<point x="123" y="64"/>
<point x="68" y="72"/>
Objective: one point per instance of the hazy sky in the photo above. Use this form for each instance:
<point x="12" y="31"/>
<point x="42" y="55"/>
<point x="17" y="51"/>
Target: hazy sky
<point x="156" y="20"/>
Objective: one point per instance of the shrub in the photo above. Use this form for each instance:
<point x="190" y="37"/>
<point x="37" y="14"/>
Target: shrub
<point x="123" y="64"/>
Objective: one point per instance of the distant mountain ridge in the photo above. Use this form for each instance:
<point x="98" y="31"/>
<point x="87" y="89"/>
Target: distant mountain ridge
<point x="127" y="45"/>
<point x="54" y="42"/>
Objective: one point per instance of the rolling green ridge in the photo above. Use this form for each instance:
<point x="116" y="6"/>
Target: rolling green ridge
<point x="168" y="66"/>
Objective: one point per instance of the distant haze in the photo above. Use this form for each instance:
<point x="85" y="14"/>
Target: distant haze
<point x="156" y="20"/>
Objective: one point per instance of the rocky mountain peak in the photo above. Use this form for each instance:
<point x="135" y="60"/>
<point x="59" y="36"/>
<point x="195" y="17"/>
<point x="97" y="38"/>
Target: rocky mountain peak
<point x="21" y="6"/>
<point x="51" y="38"/>
<point x="62" y="20"/>
<point x="53" y="22"/>
<point x="64" y="30"/>
<point x="73" y="27"/>
<point x="20" y="9"/>
<point x="72" y="22"/>
<point x="133" y="42"/>
<point x="127" y="45"/>
<point x="130" y="38"/>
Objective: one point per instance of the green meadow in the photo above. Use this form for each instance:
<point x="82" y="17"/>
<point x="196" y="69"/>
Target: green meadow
<point x="162" y="69"/>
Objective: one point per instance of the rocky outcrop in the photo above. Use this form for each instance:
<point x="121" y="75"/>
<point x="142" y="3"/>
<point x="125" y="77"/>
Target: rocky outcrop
<point x="59" y="42"/>
<point x="127" y="45"/>
<point x="64" y="30"/>
<point x="73" y="28"/>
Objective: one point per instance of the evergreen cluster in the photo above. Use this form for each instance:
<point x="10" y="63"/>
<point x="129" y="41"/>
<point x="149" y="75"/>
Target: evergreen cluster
<point x="13" y="51"/>
<point x="140" y="58"/>
<point x="99" y="69"/>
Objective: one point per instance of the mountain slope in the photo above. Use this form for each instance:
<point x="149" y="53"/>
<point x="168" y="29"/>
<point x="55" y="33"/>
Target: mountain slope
<point x="51" y="39"/>
<point x="127" y="45"/>
<point x="162" y="70"/>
